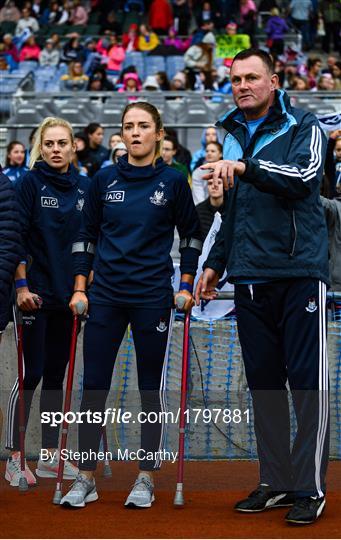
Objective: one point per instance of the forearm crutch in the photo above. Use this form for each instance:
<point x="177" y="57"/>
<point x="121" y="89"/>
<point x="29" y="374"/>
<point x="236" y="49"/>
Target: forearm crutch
<point x="23" y="485"/>
<point x="80" y="308"/>
<point x="106" y="468"/>
<point x="179" y="497"/>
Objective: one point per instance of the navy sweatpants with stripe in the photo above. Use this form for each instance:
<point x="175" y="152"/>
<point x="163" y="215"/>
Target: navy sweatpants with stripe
<point x="282" y="330"/>
<point x="103" y="334"/>
<point x="46" y="346"/>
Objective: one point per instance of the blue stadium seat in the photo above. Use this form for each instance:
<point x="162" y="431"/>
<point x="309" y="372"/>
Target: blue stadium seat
<point x="152" y="64"/>
<point x="135" y="59"/>
<point x="173" y="65"/>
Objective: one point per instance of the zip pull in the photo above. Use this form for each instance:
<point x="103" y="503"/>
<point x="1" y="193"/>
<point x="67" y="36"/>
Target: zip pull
<point x="250" y="286"/>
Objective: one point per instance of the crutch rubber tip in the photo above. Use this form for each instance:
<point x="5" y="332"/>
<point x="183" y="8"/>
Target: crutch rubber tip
<point x="179" y="499"/>
<point x="107" y="471"/>
<point x="180" y="302"/>
<point x="57" y="497"/>
<point x="23" y="485"/>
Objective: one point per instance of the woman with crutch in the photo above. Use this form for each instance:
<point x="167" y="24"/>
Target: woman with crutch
<point x="50" y="197"/>
<point x="129" y="218"/>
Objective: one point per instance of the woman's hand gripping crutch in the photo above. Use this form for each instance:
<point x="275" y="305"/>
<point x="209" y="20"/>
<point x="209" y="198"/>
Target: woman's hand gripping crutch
<point x="79" y="307"/>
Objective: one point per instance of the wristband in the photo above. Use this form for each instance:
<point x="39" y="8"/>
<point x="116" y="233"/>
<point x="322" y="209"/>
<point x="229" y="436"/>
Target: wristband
<point x="20" y="283"/>
<point x="184" y="286"/>
<point x="79" y="290"/>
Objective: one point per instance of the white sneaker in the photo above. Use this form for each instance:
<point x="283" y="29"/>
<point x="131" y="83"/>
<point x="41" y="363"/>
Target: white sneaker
<point x="82" y="491"/>
<point x="49" y="468"/>
<point x="142" y="494"/>
<point x="13" y="471"/>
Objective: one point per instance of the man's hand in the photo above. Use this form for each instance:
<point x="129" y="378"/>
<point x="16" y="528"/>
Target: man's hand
<point x="224" y="169"/>
<point x="206" y="285"/>
<point x="27" y="301"/>
<point x="189" y="300"/>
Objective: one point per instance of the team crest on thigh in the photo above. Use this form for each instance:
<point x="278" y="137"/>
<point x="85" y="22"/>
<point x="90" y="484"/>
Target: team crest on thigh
<point x="158" y="198"/>
<point x="162" y="326"/>
<point x="311" y="307"/>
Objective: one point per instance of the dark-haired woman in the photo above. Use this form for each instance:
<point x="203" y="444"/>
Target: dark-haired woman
<point x="15" y="166"/>
<point x="129" y="219"/>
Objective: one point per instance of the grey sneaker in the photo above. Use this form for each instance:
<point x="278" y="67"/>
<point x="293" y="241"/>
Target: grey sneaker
<point x="82" y="491"/>
<point x="142" y="494"/>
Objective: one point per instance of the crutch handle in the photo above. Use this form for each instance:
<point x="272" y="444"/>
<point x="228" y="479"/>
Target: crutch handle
<point x="80" y="308"/>
<point x="180" y="302"/>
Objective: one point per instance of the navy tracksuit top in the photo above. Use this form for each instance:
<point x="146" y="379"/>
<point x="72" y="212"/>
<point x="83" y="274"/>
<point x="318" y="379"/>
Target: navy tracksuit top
<point x="50" y="216"/>
<point x="129" y="218"/>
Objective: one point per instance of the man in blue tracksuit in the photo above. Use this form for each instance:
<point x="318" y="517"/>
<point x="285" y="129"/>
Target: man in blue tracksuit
<point x="127" y="235"/>
<point x="274" y="245"/>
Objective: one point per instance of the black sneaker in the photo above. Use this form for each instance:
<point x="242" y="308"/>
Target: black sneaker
<point x="306" y="510"/>
<point x="264" y="498"/>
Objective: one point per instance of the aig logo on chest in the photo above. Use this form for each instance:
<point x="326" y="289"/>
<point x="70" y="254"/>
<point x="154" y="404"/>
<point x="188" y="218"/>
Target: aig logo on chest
<point x="49" y="202"/>
<point x="115" y="196"/>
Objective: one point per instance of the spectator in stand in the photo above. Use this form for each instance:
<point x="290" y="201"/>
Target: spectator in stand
<point x="205" y="28"/>
<point x="147" y="40"/>
<point x="92" y="58"/>
<point x="204" y="81"/>
<point x="332" y="165"/>
<point x="275" y="29"/>
<point x="183" y="155"/>
<point x="10" y="49"/>
<point x="336" y="72"/>
<point x="134" y="5"/>
<point x="280" y="72"/>
<point x="300" y="84"/>
<point x="99" y="81"/>
<point x="30" y="50"/>
<point x="182" y="16"/>
<point x="73" y="51"/>
<point x="15" y="166"/>
<point x="49" y="56"/>
<point x="160" y="16"/>
<point x="301" y="12"/>
<point x="214" y="203"/>
<point x="168" y="152"/>
<point x="116" y="56"/>
<point x="162" y="80"/>
<point x="9" y="12"/>
<point x="179" y="82"/>
<point x="79" y="14"/>
<point x="56" y="41"/>
<point x="223" y="84"/>
<point x="96" y="153"/>
<point x="75" y="80"/>
<point x="331" y="13"/>
<point x="208" y="135"/>
<point x="326" y="83"/>
<point x="151" y="84"/>
<point x="248" y="17"/>
<point x="173" y="41"/>
<point x="205" y="12"/>
<point x="131" y="83"/>
<point x="213" y="152"/>
<point x="36" y="9"/>
<point x="26" y="22"/>
<point x="111" y="24"/>
<point x="130" y="39"/>
<point x="199" y="57"/>
<point x="314" y="66"/>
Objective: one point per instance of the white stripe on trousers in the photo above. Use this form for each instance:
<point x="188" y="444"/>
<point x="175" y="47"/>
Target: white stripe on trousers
<point x="322" y="388"/>
<point x="14" y="395"/>
<point x="162" y="393"/>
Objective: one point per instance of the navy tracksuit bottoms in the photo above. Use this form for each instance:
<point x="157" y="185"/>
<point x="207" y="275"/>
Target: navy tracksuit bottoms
<point x="103" y="334"/>
<point x="282" y="330"/>
<point x="46" y="346"/>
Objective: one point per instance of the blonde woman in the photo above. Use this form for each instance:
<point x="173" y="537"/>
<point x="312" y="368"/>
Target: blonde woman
<point x="51" y="197"/>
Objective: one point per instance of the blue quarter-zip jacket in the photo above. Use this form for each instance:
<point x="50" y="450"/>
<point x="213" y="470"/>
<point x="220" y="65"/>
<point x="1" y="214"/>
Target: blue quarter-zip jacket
<point x="129" y="216"/>
<point x="274" y="226"/>
<point x="50" y="215"/>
